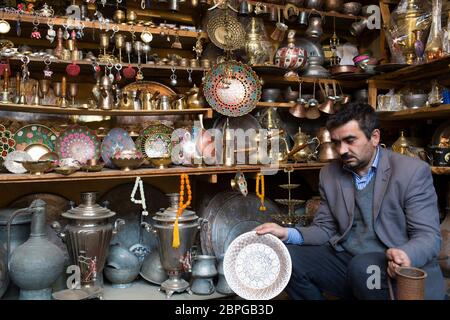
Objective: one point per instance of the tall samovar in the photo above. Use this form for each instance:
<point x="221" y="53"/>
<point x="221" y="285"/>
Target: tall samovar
<point x="410" y="15"/>
<point x="87" y="236"/>
<point x="175" y="261"/>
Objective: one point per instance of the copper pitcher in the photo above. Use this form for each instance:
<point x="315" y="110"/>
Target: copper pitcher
<point x="327" y="152"/>
<point x="195" y="98"/>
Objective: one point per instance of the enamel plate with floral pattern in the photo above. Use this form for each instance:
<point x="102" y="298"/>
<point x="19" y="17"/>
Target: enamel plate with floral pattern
<point x="117" y="139"/>
<point x="7" y="144"/>
<point x="35" y="134"/>
<point x="232" y="88"/>
<point x="79" y="143"/>
<point x="257" y="267"/>
<point x="160" y="140"/>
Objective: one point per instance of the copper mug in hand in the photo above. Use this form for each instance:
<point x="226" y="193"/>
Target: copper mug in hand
<point x="410" y="283"/>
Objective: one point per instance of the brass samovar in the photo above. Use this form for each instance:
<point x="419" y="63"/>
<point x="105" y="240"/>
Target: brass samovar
<point x="410" y="15"/>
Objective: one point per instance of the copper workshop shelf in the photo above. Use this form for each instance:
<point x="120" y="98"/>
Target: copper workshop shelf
<point x="442" y="111"/>
<point x="60" y="21"/>
<point x="100" y="112"/>
<point x="108" y="174"/>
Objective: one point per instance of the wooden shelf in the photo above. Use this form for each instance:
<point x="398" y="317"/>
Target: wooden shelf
<point x="429" y="70"/>
<point x="86" y="65"/>
<point x="325" y="13"/>
<point x="440" y="170"/>
<point x="99" y="112"/>
<point x="442" y="111"/>
<point x="273" y="79"/>
<point x="108" y="174"/>
<point x="60" y="21"/>
<point x="275" y="104"/>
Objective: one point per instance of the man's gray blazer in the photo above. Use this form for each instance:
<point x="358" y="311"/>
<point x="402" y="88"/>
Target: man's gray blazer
<point x="405" y="208"/>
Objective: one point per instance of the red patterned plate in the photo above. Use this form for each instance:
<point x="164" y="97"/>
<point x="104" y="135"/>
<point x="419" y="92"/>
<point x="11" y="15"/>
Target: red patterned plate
<point x="7" y="143"/>
<point x="78" y="142"/>
<point x="232" y="88"/>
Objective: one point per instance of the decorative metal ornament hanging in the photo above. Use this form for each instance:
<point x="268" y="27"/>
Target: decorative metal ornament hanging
<point x="176" y="44"/>
<point x="226" y="32"/>
<point x="36" y="34"/>
<point x="51" y="33"/>
<point x="47" y="72"/>
<point x="232" y="88"/>
<point x="173" y="77"/>
<point x="189" y="71"/>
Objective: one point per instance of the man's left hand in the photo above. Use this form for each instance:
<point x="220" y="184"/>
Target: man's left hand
<point x="396" y="258"/>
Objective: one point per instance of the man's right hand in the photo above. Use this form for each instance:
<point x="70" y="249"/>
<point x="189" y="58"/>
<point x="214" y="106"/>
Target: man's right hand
<point x="270" y="227"/>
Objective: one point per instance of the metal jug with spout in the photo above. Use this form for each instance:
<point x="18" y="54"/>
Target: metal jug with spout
<point x="175" y="261"/>
<point x="36" y="264"/>
<point x="150" y="100"/>
<point x="179" y="102"/>
<point x="302" y="144"/>
<point x="126" y="102"/>
<point x="195" y="99"/>
<point x="106" y="98"/>
<point x="315" y="29"/>
<point x="87" y="236"/>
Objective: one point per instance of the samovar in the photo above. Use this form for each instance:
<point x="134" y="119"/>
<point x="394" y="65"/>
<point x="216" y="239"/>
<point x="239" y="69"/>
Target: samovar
<point x="87" y="236"/>
<point x="175" y="261"/>
<point x="407" y="17"/>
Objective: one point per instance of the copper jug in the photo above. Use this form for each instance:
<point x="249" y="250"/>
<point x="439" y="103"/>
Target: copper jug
<point x="327" y="152"/>
<point x="314" y="30"/>
<point x="179" y="102"/>
<point x="150" y="100"/>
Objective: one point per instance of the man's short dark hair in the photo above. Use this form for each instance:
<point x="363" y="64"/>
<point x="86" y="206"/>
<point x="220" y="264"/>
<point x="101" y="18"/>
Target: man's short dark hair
<point x="361" y="112"/>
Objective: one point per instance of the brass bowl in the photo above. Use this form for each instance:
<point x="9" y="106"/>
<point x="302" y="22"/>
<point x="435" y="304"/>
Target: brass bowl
<point x="127" y="164"/>
<point x="162" y="162"/>
<point x="66" y="170"/>
<point x="92" y="165"/>
<point x="37" y="167"/>
<point x="352" y="8"/>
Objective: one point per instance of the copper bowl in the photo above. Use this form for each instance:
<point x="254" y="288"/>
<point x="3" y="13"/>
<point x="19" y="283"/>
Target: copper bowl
<point x="340" y="69"/>
<point x="92" y="165"/>
<point x="352" y="8"/>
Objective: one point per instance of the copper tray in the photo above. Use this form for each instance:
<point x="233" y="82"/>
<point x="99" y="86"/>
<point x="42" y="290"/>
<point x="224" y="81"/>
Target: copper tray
<point x="344" y="69"/>
<point x="229" y="215"/>
<point x="389" y="67"/>
<point x="149" y="86"/>
<point x="119" y="202"/>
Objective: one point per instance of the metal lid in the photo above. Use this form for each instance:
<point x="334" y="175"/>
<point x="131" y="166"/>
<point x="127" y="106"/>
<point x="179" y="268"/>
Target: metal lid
<point x="6" y="213"/>
<point x="170" y="213"/>
<point x="88" y="209"/>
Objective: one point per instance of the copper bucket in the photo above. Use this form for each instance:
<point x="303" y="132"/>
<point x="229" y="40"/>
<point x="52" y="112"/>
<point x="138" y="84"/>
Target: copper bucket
<point x="410" y="283"/>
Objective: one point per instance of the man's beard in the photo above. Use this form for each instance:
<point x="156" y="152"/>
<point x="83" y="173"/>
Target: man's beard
<point x="353" y="166"/>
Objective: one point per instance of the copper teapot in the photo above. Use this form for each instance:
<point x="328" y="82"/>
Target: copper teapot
<point x="179" y="102"/>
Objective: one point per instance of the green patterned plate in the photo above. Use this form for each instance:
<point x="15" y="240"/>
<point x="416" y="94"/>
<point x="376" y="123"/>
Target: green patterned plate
<point x="35" y="134"/>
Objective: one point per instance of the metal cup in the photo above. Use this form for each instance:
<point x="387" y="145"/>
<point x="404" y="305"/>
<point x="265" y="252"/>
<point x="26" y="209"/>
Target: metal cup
<point x="358" y="27"/>
<point x="104" y="41"/>
<point x="273" y="14"/>
<point x="245" y="8"/>
<point x="279" y="32"/>
<point x="303" y="18"/>
<point x="173" y="4"/>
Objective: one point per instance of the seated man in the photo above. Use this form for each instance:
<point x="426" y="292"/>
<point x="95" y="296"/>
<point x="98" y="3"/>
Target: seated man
<point x="378" y="208"/>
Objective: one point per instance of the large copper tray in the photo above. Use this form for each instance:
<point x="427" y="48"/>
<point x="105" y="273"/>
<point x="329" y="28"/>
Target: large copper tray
<point x="150" y="86"/>
<point x="229" y="215"/>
